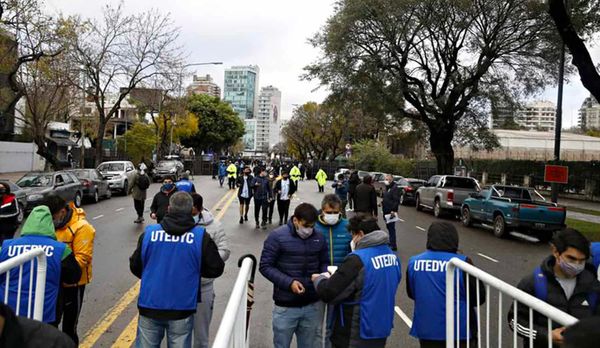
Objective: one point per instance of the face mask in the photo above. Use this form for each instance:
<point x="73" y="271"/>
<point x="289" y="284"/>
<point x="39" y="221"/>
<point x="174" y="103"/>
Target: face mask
<point x="196" y="218"/>
<point x="331" y="219"/>
<point x="571" y="269"/>
<point x="304" y="232"/>
<point x="168" y="187"/>
<point x="387" y="183"/>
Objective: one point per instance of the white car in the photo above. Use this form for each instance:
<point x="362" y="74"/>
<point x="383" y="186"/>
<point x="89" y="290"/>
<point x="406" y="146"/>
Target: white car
<point x="344" y="171"/>
<point x="118" y="174"/>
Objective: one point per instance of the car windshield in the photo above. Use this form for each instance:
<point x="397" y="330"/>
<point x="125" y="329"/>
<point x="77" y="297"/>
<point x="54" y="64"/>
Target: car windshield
<point x="417" y="183"/>
<point x="166" y="164"/>
<point x="463" y="183"/>
<point x="35" y="180"/>
<point x="82" y="174"/>
<point x="111" y="167"/>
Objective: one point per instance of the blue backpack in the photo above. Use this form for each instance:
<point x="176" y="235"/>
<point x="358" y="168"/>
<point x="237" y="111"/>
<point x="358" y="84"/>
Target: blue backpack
<point x="541" y="289"/>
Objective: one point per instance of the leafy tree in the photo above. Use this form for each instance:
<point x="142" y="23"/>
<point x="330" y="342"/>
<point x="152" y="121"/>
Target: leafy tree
<point x="372" y="155"/>
<point x="141" y="140"/>
<point x="220" y="127"/>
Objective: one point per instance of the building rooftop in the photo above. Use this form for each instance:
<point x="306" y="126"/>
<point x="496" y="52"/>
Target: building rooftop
<point x="533" y="135"/>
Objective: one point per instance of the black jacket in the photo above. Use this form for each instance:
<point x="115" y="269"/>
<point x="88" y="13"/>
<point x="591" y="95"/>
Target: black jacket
<point x="575" y="306"/>
<point x="212" y="263"/>
<point x="353" y="182"/>
<point x="391" y="199"/>
<point x="365" y="199"/>
<point x="240" y="182"/>
<point x="277" y="190"/>
<point x="70" y="272"/>
<point x="160" y="203"/>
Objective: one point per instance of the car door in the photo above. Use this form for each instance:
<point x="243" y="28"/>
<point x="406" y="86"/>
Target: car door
<point x="60" y="186"/>
<point x="129" y="171"/>
<point x="476" y="204"/>
<point x="101" y="183"/>
<point x="71" y="186"/>
<point x="428" y="192"/>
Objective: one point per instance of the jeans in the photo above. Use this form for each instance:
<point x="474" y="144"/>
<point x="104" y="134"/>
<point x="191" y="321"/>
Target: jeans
<point x="139" y="207"/>
<point x="305" y="322"/>
<point x="150" y="332"/>
<point x="221" y="180"/>
<point x="260" y="204"/>
<point x="68" y="308"/>
<point x="203" y="316"/>
<point x="392" y="232"/>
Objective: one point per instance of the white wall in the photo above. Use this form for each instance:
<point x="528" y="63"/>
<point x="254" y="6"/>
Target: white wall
<point x="19" y="157"/>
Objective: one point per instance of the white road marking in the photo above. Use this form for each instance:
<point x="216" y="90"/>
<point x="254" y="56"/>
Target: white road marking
<point x="525" y="237"/>
<point x="487" y="257"/>
<point x="403" y="316"/>
<point x="420" y="228"/>
<point x="97" y="217"/>
<point x="120" y="209"/>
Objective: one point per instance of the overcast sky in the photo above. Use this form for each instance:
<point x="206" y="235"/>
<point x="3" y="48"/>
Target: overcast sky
<point x="269" y="33"/>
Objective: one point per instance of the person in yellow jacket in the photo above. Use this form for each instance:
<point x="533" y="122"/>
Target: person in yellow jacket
<point x="231" y="175"/>
<point x="74" y="230"/>
<point x="295" y="174"/>
<point x="321" y="178"/>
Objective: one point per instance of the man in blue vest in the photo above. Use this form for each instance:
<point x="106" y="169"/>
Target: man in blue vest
<point x="363" y="288"/>
<point x="170" y="259"/>
<point x="184" y="184"/>
<point x="564" y="280"/>
<point x="426" y="285"/>
<point x="38" y="233"/>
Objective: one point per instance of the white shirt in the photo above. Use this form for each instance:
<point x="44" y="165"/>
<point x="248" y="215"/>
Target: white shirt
<point x="285" y="190"/>
<point x="245" y="188"/>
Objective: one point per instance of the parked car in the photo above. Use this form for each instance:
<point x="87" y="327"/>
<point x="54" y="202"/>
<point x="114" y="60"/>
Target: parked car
<point x="37" y="185"/>
<point x="408" y="189"/>
<point x="362" y="174"/>
<point x="21" y="196"/>
<point x="379" y="183"/>
<point x="118" y="174"/>
<point x="165" y="168"/>
<point x="445" y="193"/>
<point x="344" y="171"/>
<point x="506" y="208"/>
<point x="94" y="184"/>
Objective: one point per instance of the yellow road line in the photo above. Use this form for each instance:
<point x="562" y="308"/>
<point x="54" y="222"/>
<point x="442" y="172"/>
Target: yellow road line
<point x="127" y="337"/>
<point x="223" y="199"/>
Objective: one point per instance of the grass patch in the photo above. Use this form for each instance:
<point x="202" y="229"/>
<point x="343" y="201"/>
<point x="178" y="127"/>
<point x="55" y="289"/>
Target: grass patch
<point x="584" y="211"/>
<point x="589" y="229"/>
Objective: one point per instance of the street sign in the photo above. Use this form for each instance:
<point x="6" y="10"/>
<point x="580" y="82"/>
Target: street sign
<point x="556" y="174"/>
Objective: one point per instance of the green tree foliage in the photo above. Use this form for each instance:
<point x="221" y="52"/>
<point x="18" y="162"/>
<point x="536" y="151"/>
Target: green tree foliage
<point x="219" y="125"/>
<point x="141" y="140"/>
<point x="371" y="155"/>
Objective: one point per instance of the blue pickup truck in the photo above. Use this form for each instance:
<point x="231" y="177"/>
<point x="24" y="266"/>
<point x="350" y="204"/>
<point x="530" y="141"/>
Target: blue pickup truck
<point x="509" y="208"/>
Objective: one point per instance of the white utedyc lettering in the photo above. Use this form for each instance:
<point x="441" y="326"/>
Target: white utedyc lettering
<point x="382" y="261"/>
<point x="162" y="236"/>
<point x="15" y="250"/>
<point x="430" y="266"/>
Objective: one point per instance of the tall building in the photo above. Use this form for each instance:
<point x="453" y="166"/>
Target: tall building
<point x="536" y="116"/>
<point x="204" y="85"/>
<point x="589" y="114"/>
<point x="241" y="91"/>
<point x="269" y="118"/>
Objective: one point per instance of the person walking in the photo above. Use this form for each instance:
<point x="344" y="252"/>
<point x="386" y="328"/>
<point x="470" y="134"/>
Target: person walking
<point x="206" y="298"/>
<point x="262" y="195"/>
<point x="73" y="229"/>
<point x="565" y="281"/>
<point x="390" y="203"/>
<point x="353" y="182"/>
<point x="321" y="178"/>
<point x="426" y="286"/>
<point x="9" y="212"/>
<point x="169" y="292"/>
<point x="295" y="174"/>
<point x="341" y="190"/>
<point x="365" y="198"/>
<point x="290" y="255"/>
<point x="244" y="184"/>
<point x="160" y="202"/>
<point x="184" y="184"/>
<point x="284" y="190"/>
<point x="62" y="268"/>
<point x="222" y="173"/>
<point x="363" y="288"/>
<point x="231" y="175"/>
<point x="271" y="200"/>
<point x="138" y="188"/>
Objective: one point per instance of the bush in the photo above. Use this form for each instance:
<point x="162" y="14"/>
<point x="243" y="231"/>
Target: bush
<point x="373" y="156"/>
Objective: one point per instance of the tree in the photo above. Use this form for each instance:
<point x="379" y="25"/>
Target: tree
<point x="141" y="140"/>
<point x="174" y="115"/>
<point x="372" y="155"/>
<point x="220" y="127"/>
<point x="438" y="61"/>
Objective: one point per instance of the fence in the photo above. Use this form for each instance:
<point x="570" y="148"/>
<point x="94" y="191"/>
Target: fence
<point x="9" y="267"/>
<point x="517" y="296"/>
<point x="233" y="330"/>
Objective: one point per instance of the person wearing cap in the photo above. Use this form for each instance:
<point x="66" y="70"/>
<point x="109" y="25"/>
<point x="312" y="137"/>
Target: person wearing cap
<point x="138" y="187"/>
<point x="184" y="184"/>
<point x="426" y="285"/>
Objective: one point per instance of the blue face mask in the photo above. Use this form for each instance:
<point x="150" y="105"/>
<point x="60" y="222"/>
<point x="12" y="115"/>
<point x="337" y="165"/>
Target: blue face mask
<point x="168" y="187"/>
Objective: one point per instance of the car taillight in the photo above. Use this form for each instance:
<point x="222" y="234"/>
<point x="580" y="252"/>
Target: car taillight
<point x="86" y="183"/>
<point x="450" y="196"/>
<point x="408" y="188"/>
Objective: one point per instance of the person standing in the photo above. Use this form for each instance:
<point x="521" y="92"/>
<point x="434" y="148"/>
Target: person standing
<point x="160" y="202"/>
<point x="290" y="255"/>
<point x="169" y="292"/>
<point x="341" y="190"/>
<point x="231" y="175"/>
<point x="321" y="178"/>
<point x="284" y="190"/>
<point x="295" y="174"/>
<point x="262" y="195"/>
<point x="271" y="200"/>
<point x="353" y="182"/>
<point x="222" y="173"/>
<point x="138" y="188"/>
<point x="426" y="285"/>
<point x="184" y="184"/>
<point x="564" y="280"/>
<point x="206" y="297"/>
<point x="73" y="229"/>
<point x="244" y="184"/>
<point x="365" y="198"/>
<point x="363" y="288"/>
<point x="9" y="212"/>
<point x="390" y="203"/>
<point x="62" y="267"/>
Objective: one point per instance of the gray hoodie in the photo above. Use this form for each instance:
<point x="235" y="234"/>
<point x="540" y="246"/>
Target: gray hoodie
<point x="217" y="233"/>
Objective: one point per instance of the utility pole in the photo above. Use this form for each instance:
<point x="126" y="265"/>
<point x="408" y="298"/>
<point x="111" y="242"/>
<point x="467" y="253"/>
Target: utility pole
<point x="81" y="129"/>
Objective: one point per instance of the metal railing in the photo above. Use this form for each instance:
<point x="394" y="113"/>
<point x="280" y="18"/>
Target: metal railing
<point x="9" y="266"/>
<point x="516" y="295"/>
<point x="233" y="330"/>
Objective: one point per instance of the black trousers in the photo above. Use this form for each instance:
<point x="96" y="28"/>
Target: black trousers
<point x="68" y="307"/>
<point x="271" y="210"/>
<point x="351" y="201"/>
<point x="139" y="207"/>
<point x="321" y="188"/>
<point x="260" y="204"/>
<point x="231" y="183"/>
<point x="283" y="207"/>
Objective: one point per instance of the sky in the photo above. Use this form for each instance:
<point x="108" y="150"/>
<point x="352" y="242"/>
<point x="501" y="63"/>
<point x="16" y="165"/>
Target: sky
<point x="271" y="34"/>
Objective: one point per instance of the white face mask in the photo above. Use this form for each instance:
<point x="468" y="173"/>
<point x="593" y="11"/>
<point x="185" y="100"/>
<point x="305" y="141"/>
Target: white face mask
<point x="387" y="183"/>
<point x="331" y="219"/>
<point x="304" y="232"/>
<point x="196" y="218"/>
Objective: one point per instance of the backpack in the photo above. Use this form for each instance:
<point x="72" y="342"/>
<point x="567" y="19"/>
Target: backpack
<point x="142" y="182"/>
<point x="541" y="289"/>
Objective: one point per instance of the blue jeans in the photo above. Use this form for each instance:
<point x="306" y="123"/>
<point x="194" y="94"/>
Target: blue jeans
<point x="306" y="322"/>
<point x="150" y="332"/>
<point x="392" y="232"/>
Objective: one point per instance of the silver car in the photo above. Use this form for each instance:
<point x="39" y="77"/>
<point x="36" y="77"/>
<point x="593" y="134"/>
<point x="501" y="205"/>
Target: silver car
<point x="118" y="174"/>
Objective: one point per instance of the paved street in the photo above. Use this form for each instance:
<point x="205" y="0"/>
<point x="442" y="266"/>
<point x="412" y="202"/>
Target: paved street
<point x="109" y="311"/>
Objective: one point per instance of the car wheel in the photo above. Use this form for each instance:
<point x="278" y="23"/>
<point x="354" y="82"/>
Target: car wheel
<point x="108" y="193"/>
<point x="77" y="200"/>
<point x="437" y="209"/>
<point x="402" y="199"/>
<point x="125" y="186"/>
<point x="418" y="203"/>
<point x="466" y="217"/>
<point x="499" y="226"/>
<point x="21" y="215"/>
<point x="95" y="198"/>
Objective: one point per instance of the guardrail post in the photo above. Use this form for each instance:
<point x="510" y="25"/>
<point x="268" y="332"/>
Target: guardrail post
<point x="450" y="304"/>
<point x="40" y="287"/>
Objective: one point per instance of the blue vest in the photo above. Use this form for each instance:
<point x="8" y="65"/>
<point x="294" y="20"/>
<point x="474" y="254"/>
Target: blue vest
<point x="184" y="185"/>
<point x="378" y="297"/>
<point x="171" y="273"/>
<point x="595" y="249"/>
<point x="427" y="275"/>
<point x="54" y="251"/>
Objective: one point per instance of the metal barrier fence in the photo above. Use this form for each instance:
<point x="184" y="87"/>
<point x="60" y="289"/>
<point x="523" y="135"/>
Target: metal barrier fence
<point x="517" y="296"/>
<point x="233" y="330"/>
<point x="9" y="268"/>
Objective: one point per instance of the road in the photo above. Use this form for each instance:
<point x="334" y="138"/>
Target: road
<point x="109" y="313"/>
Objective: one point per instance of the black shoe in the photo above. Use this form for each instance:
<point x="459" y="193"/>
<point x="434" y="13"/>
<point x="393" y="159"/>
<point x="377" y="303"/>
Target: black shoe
<point x="270" y="222"/>
<point x="245" y="217"/>
<point x="257" y="226"/>
<point x="280" y="223"/>
<point x="241" y="220"/>
<point x="264" y="224"/>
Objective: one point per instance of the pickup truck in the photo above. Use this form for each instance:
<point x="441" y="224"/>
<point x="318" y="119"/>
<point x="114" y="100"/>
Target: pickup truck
<point x="445" y="193"/>
<point x="506" y="208"/>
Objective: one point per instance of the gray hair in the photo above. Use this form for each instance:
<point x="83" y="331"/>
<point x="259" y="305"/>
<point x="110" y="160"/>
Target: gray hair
<point x="331" y="200"/>
<point x="181" y="202"/>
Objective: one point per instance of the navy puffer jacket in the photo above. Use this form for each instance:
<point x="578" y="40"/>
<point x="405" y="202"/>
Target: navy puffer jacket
<point x="287" y="257"/>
